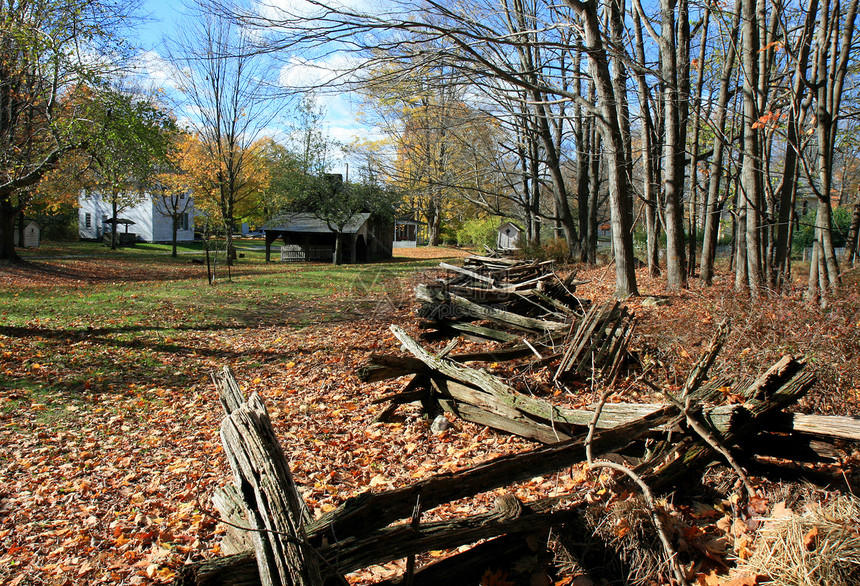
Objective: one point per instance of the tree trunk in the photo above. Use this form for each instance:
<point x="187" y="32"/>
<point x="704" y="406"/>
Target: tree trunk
<point x="115" y="226"/>
<point x="8" y="213"/>
<point x="649" y="183"/>
<point x="593" y="194"/>
<point x="695" y="185"/>
<point x="175" y="230"/>
<point x="713" y="208"/>
<point x="582" y="135"/>
<point x="559" y="189"/>
<point x="831" y="71"/>
<point x="434" y="223"/>
<point x="617" y="165"/>
<point x="853" y="236"/>
<point x="750" y="276"/>
<point x="674" y="147"/>
<point x="338" y="248"/>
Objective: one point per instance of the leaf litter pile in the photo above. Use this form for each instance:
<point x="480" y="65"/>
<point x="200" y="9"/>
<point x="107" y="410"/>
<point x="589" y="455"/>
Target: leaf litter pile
<point x="110" y="447"/>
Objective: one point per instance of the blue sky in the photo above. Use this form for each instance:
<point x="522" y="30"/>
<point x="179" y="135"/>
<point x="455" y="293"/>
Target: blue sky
<point x="166" y="15"/>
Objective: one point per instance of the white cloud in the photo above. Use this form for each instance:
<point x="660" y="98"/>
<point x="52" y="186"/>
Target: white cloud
<point x="334" y="70"/>
<point x="309" y="10"/>
<point x="153" y="67"/>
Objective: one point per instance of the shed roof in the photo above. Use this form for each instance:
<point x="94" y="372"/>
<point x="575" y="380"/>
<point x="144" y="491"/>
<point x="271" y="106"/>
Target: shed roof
<point x="511" y="224"/>
<point x="310" y="224"/>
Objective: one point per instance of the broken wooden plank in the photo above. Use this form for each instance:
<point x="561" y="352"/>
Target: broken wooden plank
<point x="273" y="506"/>
<point x="468" y="567"/>
<point x="492" y="260"/>
<point x="417" y="390"/>
<point x="478" y="407"/>
<point x="228" y="502"/>
<point x="828" y="426"/>
<point x="509" y="318"/>
<point x="398" y="541"/>
<point x="440" y="305"/>
<point x="595" y="337"/>
<point x="471" y="274"/>
<point x="782" y="385"/>
<point x="480" y="389"/>
<point x="482" y="332"/>
<point x="233" y="570"/>
<point x="370" y="511"/>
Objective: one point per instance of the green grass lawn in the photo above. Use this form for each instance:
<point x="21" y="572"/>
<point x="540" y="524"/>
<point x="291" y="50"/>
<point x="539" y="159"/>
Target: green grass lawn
<point x="87" y="312"/>
<point x="108" y="416"/>
<point x="252" y="247"/>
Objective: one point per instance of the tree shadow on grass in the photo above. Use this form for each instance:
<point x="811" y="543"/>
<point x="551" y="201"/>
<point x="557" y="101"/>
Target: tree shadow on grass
<point x="95" y="270"/>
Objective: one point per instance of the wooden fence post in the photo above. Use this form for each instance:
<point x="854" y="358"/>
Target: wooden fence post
<point x="273" y="505"/>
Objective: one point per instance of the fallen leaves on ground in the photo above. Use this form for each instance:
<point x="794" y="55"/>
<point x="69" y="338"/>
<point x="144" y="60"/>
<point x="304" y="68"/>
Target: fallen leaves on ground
<point x="107" y="480"/>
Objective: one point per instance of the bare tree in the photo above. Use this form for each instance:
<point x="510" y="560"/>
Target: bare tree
<point x="231" y="92"/>
<point x="797" y="109"/>
<point x="674" y="41"/>
<point x="648" y="141"/>
<point x="716" y="170"/>
<point x="833" y="49"/>
<point x="749" y="270"/>
<point x="617" y="161"/>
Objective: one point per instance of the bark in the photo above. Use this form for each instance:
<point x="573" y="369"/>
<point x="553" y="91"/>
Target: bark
<point x="338" y="249"/>
<point x="8" y="214"/>
<point x="617" y="165"/>
<point x="593" y="194"/>
<point x="749" y="275"/>
<point x="853" y="236"/>
<point x="674" y="147"/>
<point x="788" y="183"/>
<point x="713" y="207"/>
<point x="559" y="188"/>
<point x="273" y="506"/>
<point x="114" y="214"/>
<point x="649" y="182"/>
<point x="831" y="69"/>
<point x="582" y="126"/>
<point x="434" y="223"/>
<point x="696" y="190"/>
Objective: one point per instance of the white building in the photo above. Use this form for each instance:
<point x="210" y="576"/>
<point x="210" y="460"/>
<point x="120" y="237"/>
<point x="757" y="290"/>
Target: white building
<point x="508" y="237"/>
<point x="150" y="219"/>
<point x="32" y="234"/>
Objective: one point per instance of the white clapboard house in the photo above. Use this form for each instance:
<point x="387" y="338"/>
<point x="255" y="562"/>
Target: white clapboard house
<point x="149" y="220"/>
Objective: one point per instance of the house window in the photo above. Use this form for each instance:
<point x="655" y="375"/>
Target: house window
<point x="183" y="223"/>
<point x="88" y="220"/>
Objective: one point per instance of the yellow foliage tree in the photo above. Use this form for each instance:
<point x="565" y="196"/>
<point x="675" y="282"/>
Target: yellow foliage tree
<point x="445" y="150"/>
<point x="202" y="174"/>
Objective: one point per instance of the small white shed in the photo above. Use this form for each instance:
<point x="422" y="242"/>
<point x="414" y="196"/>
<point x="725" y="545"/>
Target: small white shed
<point x="32" y="234"/>
<point x="508" y="236"/>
